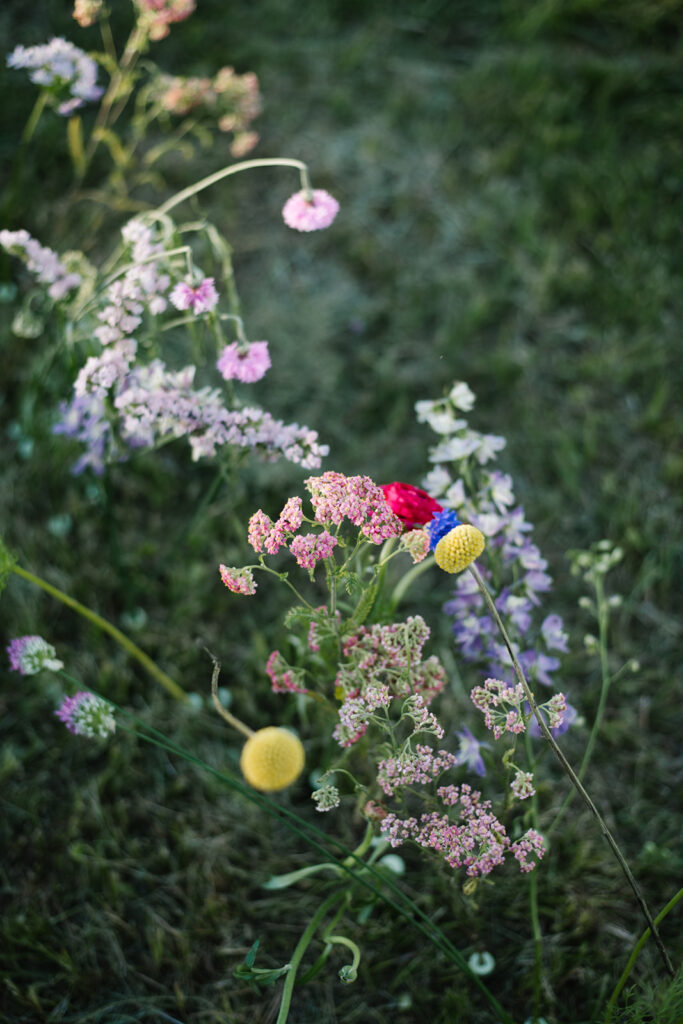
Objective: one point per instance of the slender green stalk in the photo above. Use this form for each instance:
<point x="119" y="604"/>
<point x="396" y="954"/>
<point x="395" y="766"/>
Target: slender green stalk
<point x="569" y="771"/>
<point x="611" y="1003"/>
<point x="245" y="165"/>
<point x="405" y="582"/>
<point x="34" y="117"/>
<point x="533" y="893"/>
<point x="97" y="620"/>
<point x="605" y="680"/>
<point x="301" y="947"/>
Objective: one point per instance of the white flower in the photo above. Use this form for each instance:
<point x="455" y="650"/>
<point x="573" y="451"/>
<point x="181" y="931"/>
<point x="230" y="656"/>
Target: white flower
<point x="461" y="396"/>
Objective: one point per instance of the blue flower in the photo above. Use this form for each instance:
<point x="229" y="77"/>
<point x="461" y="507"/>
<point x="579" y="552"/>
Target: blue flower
<point x="469" y="752"/>
<point x="441" y="524"/>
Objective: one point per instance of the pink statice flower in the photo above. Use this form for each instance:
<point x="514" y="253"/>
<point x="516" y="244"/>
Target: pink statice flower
<point x="246" y="363"/>
<point x="201" y="299"/>
<point x="310" y="211"/>
<point x="28" y="655"/>
<point x="84" y="714"/>
<point x="240" y="581"/>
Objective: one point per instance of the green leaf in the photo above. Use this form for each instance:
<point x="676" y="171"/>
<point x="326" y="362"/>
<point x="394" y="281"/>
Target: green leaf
<point x="7" y="562"/>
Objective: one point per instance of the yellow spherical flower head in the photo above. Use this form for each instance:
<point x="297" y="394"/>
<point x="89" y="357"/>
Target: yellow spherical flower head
<point x="272" y="759"/>
<point x="459" y="548"/>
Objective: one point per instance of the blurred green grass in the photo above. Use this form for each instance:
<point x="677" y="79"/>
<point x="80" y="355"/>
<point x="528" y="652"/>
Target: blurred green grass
<point x="510" y="181"/>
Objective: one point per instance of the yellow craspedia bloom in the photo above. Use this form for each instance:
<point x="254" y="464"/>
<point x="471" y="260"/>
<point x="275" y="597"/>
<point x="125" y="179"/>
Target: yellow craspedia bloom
<point x="272" y="759"/>
<point x="458" y="548"/>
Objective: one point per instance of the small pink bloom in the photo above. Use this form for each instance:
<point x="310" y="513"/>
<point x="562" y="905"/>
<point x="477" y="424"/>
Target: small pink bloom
<point x="310" y="214"/>
<point x="201" y="299"/>
<point x="247" y="365"/>
<point x="240" y="581"/>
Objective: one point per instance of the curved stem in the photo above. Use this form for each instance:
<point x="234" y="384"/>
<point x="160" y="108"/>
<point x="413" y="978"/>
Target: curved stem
<point x="533" y="893"/>
<point x="569" y="771"/>
<point x="635" y="954"/>
<point x="97" y="620"/>
<point x="223" y="712"/>
<point x="301" y="947"/>
<point x="245" y="165"/>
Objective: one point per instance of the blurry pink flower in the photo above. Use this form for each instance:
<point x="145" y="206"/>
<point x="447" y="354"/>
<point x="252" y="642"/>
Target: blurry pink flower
<point x="310" y="214"/>
<point x="201" y="299"/>
<point x="246" y="364"/>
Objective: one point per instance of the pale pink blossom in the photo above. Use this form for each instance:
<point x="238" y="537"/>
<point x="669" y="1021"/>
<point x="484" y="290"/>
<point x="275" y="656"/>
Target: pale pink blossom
<point x="310" y="211"/>
<point x="201" y="299"/>
<point x="246" y="363"/>
<point x="240" y="581"/>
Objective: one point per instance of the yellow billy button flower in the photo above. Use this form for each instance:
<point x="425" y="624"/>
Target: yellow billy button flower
<point x="272" y="759"/>
<point x="459" y="548"/>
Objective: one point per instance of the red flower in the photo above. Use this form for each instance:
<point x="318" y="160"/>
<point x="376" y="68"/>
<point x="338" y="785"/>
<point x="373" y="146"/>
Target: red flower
<point x="413" y="506"/>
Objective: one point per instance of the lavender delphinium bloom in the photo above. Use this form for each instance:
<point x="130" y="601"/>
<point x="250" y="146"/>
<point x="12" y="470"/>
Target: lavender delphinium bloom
<point x="465" y="485"/>
<point x="469" y="752"/>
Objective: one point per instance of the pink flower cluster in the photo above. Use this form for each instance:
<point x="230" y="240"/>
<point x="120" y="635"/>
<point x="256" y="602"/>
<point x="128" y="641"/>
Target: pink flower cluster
<point x="246" y="362"/>
<point x="43" y="262"/>
<point x="523" y="785"/>
<point x="312" y="548"/>
<point x="476" y="841"/>
<point x="155" y="16"/>
<point x="240" y="581"/>
<point x="419" y="766"/>
<point x="356" y="713"/>
<point x="391" y="654"/>
<point x="336" y="497"/>
<point x="229" y="99"/>
<point x="501" y="705"/>
<point x="284" y="678"/>
<point x="310" y="211"/>
<point x="416" y="543"/>
<point x="265" y="535"/>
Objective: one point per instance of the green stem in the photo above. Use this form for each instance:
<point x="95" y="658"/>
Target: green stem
<point x="406" y="581"/>
<point x="301" y="948"/>
<point x="605" y="680"/>
<point x="569" y="771"/>
<point x="245" y="165"/>
<point x="97" y="620"/>
<point x="635" y="954"/>
<point x="533" y="893"/>
<point x="34" y="117"/>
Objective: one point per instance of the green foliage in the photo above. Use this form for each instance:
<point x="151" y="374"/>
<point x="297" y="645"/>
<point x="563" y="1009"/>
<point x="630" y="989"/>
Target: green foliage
<point x="508" y="174"/>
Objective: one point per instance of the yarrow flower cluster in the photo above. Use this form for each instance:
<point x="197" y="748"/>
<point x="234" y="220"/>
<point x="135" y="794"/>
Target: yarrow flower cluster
<point x="310" y="210"/>
<point x="240" y="581"/>
<point x="336" y="497"/>
<point x="84" y="714"/>
<point x="155" y="16"/>
<point x="63" y="69"/>
<point x="29" y="655"/>
<point x="476" y="840"/>
<point x="230" y="100"/>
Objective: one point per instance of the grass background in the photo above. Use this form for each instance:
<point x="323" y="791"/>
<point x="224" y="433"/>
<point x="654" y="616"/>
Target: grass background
<point x="510" y="176"/>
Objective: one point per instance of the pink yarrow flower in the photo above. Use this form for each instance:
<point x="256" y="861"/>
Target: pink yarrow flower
<point x="201" y="299"/>
<point x="310" y="211"/>
<point x="240" y="581"/>
<point x="247" y="364"/>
